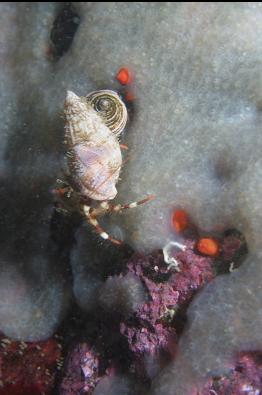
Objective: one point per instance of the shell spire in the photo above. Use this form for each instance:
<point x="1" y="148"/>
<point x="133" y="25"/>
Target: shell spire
<point x="110" y="108"/>
<point x="70" y="96"/>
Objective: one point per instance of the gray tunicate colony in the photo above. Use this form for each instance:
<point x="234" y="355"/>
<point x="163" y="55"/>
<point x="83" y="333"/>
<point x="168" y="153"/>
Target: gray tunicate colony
<point x="91" y="266"/>
<point x="122" y="294"/>
<point x="195" y="136"/>
<point x="196" y="129"/>
<point x="34" y="291"/>
<point x="219" y="321"/>
<point x="30" y="309"/>
<point x="117" y="385"/>
<point x="87" y="281"/>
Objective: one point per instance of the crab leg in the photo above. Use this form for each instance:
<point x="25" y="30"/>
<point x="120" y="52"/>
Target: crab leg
<point x="93" y="221"/>
<point x="105" y="207"/>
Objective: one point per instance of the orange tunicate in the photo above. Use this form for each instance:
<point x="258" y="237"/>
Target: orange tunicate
<point x="180" y="220"/>
<point x="129" y="96"/>
<point x="124" y="76"/>
<point x="208" y="246"/>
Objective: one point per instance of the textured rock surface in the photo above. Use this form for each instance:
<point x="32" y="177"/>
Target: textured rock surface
<point x="194" y="139"/>
<point x="245" y="377"/>
<point x="82" y="371"/>
<point x="226" y="317"/>
<point x="28" y="368"/>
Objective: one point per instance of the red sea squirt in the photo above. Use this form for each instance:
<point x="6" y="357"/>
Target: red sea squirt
<point x="124" y="76"/>
<point x="180" y="220"/>
<point x="208" y="246"/>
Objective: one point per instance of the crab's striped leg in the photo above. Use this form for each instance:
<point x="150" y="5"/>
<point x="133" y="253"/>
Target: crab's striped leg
<point x="105" y="207"/>
<point x="93" y="221"/>
<point x="118" y="207"/>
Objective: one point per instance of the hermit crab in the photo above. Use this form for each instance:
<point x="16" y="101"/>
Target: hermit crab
<point x="93" y="125"/>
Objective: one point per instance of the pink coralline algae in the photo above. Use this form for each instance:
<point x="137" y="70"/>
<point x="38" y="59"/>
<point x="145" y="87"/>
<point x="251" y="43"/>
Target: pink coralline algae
<point x="195" y="271"/>
<point x="28" y="368"/>
<point x="147" y="302"/>
<point x="81" y="372"/>
<point x="152" y="327"/>
<point x="148" y="340"/>
<point x="245" y="378"/>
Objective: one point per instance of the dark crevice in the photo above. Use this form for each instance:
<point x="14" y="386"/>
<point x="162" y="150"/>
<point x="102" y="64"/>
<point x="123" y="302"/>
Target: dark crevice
<point x="63" y="31"/>
<point x="233" y="254"/>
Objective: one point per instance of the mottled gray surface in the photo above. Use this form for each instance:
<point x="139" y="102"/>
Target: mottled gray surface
<point x="196" y="127"/>
<point x="122" y="294"/>
<point x="225" y="318"/>
<point x="31" y="309"/>
<point x="87" y="281"/>
<point x="116" y="385"/>
<point x="194" y="138"/>
<point x="35" y="299"/>
<point x="92" y="261"/>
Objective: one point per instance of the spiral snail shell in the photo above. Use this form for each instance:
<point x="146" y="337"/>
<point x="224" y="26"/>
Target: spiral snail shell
<point x="93" y="124"/>
<point x="110" y="108"/>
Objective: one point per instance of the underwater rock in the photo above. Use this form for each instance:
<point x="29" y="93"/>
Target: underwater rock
<point x="82" y="371"/>
<point x="245" y="377"/>
<point x="28" y="368"/>
<point x="194" y="134"/>
<point x="229" y="310"/>
<point x="143" y="330"/>
<point x="194" y="272"/>
<point x="145" y="341"/>
<point x="86" y="373"/>
<point x="151" y="330"/>
<point x="135" y="331"/>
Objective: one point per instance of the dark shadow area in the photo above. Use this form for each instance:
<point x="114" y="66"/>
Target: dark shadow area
<point x="64" y="28"/>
